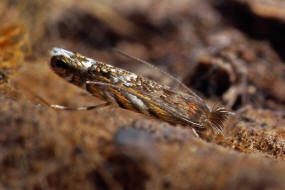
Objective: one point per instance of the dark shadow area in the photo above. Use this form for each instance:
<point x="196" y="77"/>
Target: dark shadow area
<point x="257" y="27"/>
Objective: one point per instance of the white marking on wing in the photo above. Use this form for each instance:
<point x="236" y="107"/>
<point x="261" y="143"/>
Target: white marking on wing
<point x="88" y="63"/>
<point x="135" y="100"/>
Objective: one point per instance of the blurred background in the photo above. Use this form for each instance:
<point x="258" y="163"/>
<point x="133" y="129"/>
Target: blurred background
<point x="230" y="52"/>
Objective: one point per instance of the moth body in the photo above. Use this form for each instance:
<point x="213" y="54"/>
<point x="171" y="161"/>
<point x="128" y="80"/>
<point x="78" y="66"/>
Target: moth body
<point x="136" y="93"/>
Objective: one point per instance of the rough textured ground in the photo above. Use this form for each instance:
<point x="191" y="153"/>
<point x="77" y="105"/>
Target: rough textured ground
<point x="229" y="52"/>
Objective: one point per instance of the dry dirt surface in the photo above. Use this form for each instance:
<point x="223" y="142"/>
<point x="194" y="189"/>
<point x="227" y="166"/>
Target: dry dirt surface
<point x="230" y="52"/>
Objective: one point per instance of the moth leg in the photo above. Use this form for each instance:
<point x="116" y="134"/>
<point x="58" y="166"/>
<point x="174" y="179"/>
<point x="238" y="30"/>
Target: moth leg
<point x="195" y="132"/>
<point x="60" y="107"/>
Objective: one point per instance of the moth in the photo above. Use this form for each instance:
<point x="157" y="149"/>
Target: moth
<point x="136" y="93"/>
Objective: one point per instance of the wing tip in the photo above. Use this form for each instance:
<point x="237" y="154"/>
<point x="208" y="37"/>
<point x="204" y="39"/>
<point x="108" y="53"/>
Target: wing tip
<point x="216" y="118"/>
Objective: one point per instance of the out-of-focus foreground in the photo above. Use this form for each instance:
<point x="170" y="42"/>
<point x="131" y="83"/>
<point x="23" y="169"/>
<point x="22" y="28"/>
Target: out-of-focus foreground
<point x="229" y="51"/>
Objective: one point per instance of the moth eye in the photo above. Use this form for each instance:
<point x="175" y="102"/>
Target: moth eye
<point x="61" y="64"/>
<point x="91" y="71"/>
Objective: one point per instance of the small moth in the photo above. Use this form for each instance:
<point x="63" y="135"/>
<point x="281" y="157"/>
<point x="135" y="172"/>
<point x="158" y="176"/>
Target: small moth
<point x="136" y="93"/>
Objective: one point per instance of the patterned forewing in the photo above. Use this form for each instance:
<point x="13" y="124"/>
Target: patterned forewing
<point x="165" y="104"/>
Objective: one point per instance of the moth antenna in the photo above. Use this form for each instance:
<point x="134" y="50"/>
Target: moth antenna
<point x="159" y="70"/>
<point x="216" y="118"/>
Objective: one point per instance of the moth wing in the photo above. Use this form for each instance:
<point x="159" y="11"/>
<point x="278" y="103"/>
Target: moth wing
<point x="149" y="98"/>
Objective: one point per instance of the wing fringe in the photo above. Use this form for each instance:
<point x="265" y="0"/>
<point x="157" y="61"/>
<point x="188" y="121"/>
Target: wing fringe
<point x="216" y="118"/>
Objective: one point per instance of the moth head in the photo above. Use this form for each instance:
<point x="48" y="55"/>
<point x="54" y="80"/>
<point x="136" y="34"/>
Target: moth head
<point x="66" y="63"/>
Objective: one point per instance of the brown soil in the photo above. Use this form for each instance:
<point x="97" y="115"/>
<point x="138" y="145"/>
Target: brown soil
<point x="230" y="52"/>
